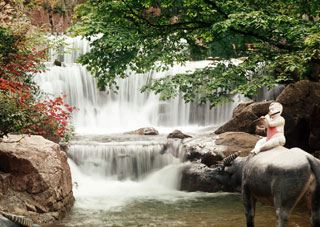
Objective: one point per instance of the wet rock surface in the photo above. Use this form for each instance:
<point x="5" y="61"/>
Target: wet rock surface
<point x="206" y="152"/>
<point x="177" y="134"/>
<point x="199" y="177"/>
<point x="148" y="131"/>
<point x="211" y="148"/>
<point x="35" y="178"/>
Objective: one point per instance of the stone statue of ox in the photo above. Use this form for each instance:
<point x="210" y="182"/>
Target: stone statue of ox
<point x="279" y="176"/>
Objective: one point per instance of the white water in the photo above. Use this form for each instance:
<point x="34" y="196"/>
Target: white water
<point x="100" y="193"/>
<point x="104" y="177"/>
<point x="112" y="173"/>
<point x="102" y="112"/>
<point x="120" y="160"/>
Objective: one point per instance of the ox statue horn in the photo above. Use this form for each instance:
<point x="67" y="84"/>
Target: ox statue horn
<point x="228" y="160"/>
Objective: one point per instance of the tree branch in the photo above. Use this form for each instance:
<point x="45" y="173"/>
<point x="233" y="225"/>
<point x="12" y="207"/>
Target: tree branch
<point x="216" y="7"/>
<point x="180" y="25"/>
<point x="219" y="10"/>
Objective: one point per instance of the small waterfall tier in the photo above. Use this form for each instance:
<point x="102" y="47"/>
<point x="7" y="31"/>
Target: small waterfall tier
<point x="120" y="160"/>
<point x="102" y="112"/>
<point x="109" y="172"/>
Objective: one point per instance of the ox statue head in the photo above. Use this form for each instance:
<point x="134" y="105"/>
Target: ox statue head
<point x="229" y="174"/>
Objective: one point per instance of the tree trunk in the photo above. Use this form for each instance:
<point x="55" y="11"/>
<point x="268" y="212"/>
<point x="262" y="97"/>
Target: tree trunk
<point x="51" y="21"/>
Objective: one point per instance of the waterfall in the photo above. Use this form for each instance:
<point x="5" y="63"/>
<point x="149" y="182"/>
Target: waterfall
<point x="120" y="160"/>
<point x="111" y="170"/>
<point x="107" y="112"/>
<point x="109" y="174"/>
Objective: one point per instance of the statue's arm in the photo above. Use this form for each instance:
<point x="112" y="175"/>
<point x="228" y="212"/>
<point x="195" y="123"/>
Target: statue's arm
<point x="279" y="121"/>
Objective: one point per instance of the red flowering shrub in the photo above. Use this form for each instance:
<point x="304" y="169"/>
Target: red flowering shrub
<point x="22" y="110"/>
<point x="51" y="119"/>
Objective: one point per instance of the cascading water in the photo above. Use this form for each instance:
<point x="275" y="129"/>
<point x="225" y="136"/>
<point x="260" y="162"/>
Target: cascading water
<point x="117" y="170"/>
<point x="108" y="175"/>
<point x="122" y="160"/>
<point x="108" y="112"/>
<point x="127" y="180"/>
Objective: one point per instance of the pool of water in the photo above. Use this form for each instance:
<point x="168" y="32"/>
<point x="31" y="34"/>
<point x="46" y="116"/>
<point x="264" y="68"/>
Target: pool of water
<point x="152" y="198"/>
<point x="187" y="209"/>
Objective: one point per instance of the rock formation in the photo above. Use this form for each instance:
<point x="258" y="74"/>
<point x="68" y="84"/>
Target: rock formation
<point x="199" y="177"/>
<point x="301" y="109"/>
<point x="148" y="131"/>
<point x="210" y="149"/>
<point x="35" y="178"/>
<point x="207" y="151"/>
<point x="244" y="117"/>
<point x="177" y="134"/>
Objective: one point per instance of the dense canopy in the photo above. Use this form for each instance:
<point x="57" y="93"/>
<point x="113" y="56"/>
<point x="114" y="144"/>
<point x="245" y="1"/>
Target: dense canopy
<point x="277" y="41"/>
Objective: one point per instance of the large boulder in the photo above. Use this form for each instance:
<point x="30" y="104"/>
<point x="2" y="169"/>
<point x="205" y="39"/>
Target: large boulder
<point x="245" y="117"/>
<point x="205" y="152"/>
<point x="201" y="149"/>
<point x="301" y="110"/>
<point x="35" y="178"/>
<point x="231" y="142"/>
<point x="301" y="102"/>
<point x="210" y="149"/>
<point x="199" y="177"/>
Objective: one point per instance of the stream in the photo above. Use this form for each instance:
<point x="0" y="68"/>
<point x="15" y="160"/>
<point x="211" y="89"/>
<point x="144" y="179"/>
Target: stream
<point x="125" y="180"/>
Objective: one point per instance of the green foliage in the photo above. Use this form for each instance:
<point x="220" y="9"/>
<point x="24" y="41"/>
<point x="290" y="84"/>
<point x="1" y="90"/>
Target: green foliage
<point x="7" y="41"/>
<point x="278" y="40"/>
<point x="12" y="119"/>
<point x="23" y="109"/>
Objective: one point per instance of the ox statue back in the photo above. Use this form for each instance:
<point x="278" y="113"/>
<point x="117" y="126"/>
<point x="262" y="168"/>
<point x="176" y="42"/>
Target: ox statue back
<point x="279" y="176"/>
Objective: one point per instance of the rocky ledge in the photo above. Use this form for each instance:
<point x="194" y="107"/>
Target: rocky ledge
<point x="205" y="152"/>
<point x="210" y="149"/>
<point x="147" y="131"/>
<point x="177" y="134"/>
<point x="35" y="178"/>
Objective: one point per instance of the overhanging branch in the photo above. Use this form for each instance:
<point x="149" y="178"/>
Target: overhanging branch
<point x="275" y="43"/>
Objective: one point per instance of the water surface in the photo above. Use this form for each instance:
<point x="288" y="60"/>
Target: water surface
<point x="190" y="209"/>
